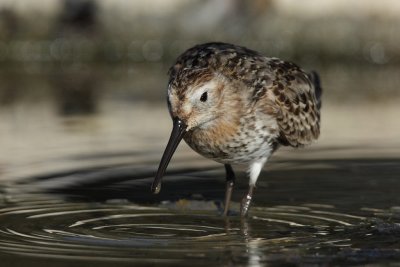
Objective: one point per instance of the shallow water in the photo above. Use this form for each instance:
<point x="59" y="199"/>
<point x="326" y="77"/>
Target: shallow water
<point x="75" y="189"/>
<point x="306" y="212"/>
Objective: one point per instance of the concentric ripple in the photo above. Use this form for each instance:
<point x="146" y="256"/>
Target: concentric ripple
<point x="121" y="232"/>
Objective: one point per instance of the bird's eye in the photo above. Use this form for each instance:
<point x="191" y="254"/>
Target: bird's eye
<point x="203" y="97"/>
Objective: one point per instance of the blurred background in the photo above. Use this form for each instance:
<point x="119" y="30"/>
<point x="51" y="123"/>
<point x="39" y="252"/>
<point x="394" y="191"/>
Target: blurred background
<point x="84" y="122"/>
<point x="88" y="77"/>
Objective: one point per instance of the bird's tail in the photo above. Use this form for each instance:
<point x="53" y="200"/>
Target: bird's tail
<point x="317" y="86"/>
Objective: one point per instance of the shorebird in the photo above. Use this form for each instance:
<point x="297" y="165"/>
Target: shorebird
<point x="236" y="106"/>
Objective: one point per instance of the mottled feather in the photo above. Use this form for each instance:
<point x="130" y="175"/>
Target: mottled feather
<point x="278" y="88"/>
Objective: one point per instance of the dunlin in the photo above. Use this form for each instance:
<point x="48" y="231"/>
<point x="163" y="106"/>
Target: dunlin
<point x="236" y="106"/>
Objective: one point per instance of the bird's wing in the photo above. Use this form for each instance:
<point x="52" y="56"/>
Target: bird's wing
<point x="293" y="98"/>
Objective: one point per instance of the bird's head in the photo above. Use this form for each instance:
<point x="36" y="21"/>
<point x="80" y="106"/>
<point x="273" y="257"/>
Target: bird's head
<point x="198" y="104"/>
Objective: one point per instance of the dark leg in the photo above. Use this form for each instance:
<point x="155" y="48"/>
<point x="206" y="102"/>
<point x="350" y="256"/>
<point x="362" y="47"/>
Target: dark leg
<point x="230" y="181"/>
<point x="246" y="201"/>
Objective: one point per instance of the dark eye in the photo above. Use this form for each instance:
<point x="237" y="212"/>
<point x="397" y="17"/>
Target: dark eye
<point x="203" y="97"/>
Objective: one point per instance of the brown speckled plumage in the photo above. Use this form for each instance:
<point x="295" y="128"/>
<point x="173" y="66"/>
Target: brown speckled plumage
<point x="287" y="93"/>
<point x="237" y="106"/>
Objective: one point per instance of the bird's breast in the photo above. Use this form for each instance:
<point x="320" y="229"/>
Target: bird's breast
<point x="247" y="140"/>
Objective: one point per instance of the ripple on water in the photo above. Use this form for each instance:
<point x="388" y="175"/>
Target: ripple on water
<point x="166" y="233"/>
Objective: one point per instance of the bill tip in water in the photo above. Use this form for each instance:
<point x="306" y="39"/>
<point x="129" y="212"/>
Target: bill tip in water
<point x="156" y="189"/>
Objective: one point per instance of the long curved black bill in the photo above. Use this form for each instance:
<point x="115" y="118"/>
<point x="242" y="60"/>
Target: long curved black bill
<point x="178" y="131"/>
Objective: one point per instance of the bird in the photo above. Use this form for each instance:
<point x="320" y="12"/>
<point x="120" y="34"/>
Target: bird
<point x="235" y="106"/>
